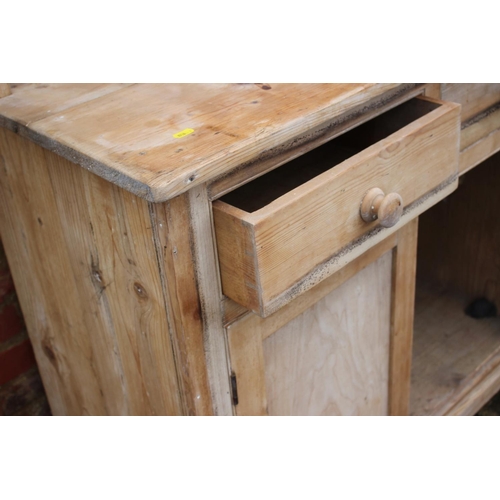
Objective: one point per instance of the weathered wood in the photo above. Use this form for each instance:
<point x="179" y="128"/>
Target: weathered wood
<point x="36" y="101"/>
<point x="485" y="387"/>
<point x="130" y="137"/>
<point x="247" y="364"/>
<point x="275" y="157"/>
<point x="402" y="309"/>
<point x="82" y="256"/>
<point x="210" y="294"/>
<point x="474" y="97"/>
<point x="247" y="333"/>
<point x="433" y="90"/>
<point x="333" y="359"/>
<point x="479" y="151"/>
<point x="4" y="90"/>
<point x="174" y="245"/>
<point x="270" y="256"/>
<point x="480" y="127"/>
<point x="455" y="357"/>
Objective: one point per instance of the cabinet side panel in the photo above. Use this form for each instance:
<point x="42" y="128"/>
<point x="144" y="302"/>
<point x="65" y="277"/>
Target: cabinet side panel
<point x="83" y="259"/>
<point x="333" y="359"/>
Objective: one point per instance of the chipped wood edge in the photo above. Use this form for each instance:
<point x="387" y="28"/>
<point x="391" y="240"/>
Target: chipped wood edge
<point x="210" y="295"/>
<point x="273" y="158"/>
<point x="485" y="386"/>
<point x="120" y="179"/>
<point x="404" y="265"/>
<point x="247" y="363"/>
<point x="268" y="326"/>
<point x="5" y="90"/>
<point x="359" y="246"/>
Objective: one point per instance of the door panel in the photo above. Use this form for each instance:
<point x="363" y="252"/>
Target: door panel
<point x="333" y="359"/>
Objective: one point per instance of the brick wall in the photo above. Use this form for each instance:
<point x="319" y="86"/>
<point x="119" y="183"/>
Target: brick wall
<point x="21" y="389"/>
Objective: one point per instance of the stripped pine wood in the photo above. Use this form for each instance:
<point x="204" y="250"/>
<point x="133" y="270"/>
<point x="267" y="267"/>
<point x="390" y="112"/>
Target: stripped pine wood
<point x="173" y="241"/>
<point x="232" y="311"/>
<point x="36" y="101"/>
<point x="455" y="357"/>
<point x="94" y="309"/>
<point x="474" y="97"/>
<point x="190" y="273"/>
<point x="433" y="90"/>
<point x="246" y="335"/>
<point x="267" y="326"/>
<point x="479" y="152"/>
<point x="266" y="256"/>
<point x="210" y="296"/>
<point x="247" y="364"/>
<point x="480" y="127"/>
<point x="402" y="310"/>
<point x="275" y="157"/>
<point x="333" y="359"/>
<point x="485" y="387"/>
<point x="4" y="90"/>
<point x="139" y="136"/>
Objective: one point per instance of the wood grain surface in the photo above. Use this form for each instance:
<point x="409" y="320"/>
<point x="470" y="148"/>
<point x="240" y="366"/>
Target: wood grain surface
<point x="474" y="97"/>
<point x="246" y="334"/>
<point x="333" y="359"/>
<point x="130" y="136"/>
<point x="84" y="262"/>
<point x="456" y="359"/>
<point x="266" y="255"/>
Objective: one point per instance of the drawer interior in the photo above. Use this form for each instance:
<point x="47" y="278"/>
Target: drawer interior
<point x="457" y="264"/>
<point x="267" y="188"/>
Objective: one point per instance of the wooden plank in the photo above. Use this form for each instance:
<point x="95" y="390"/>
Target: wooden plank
<point x="402" y="308"/>
<point x="474" y="97"/>
<point x="333" y="359"/>
<point x="4" y="90"/>
<point x="482" y="391"/>
<point x="303" y="228"/>
<point x="452" y="354"/>
<point x="479" y="128"/>
<point x="247" y="364"/>
<point x="275" y="157"/>
<point x="36" y="101"/>
<point x="191" y="276"/>
<point x="252" y="322"/>
<point x="82" y="256"/>
<point x="210" y="296"/>
<point x="433" y="90"/>
<point x="131" y="136"/>
<point x="232" y="311"/>
<point x="173" y="240"/>
<point x="479" y="152"/>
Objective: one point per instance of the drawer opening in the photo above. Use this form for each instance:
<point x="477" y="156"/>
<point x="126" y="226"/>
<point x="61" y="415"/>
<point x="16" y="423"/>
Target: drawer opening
<point x="265" y="189"/>
<point x="458" y="263"/>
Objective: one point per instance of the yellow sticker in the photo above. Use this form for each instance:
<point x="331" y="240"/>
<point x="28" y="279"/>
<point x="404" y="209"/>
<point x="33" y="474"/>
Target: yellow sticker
<point x="183" y="133"/>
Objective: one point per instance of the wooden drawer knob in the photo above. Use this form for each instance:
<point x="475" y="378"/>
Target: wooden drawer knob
<point x="386" y="208"/>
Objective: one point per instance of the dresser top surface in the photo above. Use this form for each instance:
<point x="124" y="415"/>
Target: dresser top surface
<point x="160" y="140"/>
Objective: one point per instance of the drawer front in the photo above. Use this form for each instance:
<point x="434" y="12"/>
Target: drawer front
<point x="274" y="253"/>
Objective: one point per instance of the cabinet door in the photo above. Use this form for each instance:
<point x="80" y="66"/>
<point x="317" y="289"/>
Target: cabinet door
<point x="342" y="348"/>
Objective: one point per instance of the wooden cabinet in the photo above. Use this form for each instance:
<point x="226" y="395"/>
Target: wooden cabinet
<point x="339" y="349"/>
<point x="204" y="249"/>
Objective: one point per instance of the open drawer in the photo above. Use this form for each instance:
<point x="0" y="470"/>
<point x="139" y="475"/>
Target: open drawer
<point x="282" y="233"/>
